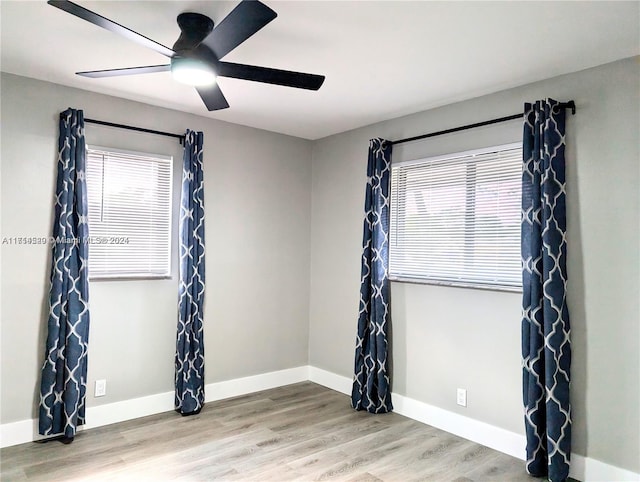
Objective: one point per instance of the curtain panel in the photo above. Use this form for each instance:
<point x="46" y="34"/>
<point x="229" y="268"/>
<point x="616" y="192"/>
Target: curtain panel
<point x="546" y="345"/>
<point x="371" y="382"/>
<point x="189" y="359"/>
<point x="64" y="373"/>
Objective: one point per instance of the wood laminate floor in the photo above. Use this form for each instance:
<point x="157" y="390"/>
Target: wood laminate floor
<point x="298" y="432"/>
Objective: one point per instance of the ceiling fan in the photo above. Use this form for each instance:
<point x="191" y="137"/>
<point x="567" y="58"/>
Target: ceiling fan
<point x="195" y="57"/>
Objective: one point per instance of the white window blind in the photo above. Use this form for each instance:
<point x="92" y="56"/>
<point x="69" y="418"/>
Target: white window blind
<point x="129" y="196"/>
<point x="455" y="219"/>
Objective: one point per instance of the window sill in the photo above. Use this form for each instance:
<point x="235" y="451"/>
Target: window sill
<point x="457" y="284"/>
<point x="129" y="278"/>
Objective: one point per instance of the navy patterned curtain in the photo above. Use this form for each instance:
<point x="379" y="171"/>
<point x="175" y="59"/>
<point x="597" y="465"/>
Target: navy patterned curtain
<point x="64" y="373"/>
<point x="189" y="359"/>
<point x="546" y="348"/>
<point x="371" y="384"/>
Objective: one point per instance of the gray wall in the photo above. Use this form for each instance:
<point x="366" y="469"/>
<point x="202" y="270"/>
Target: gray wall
<point x="260" y="240"/>
<point x="257" y="195"/>
<point x="444" y="338"/>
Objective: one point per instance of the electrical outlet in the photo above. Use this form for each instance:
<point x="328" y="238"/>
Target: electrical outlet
<point x="101" y="388"/>
<point x="462" y="397"/>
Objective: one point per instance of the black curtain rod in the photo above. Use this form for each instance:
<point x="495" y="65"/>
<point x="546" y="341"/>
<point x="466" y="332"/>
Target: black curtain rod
<point x="133" y="128"/>
<point x="564" y="105"/>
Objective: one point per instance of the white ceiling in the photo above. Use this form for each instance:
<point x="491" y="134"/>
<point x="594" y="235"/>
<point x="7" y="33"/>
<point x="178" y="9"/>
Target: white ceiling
<point x="382" y="59"/>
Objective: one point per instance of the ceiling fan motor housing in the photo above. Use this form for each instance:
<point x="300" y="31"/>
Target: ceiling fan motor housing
<point x="194" y="28"/>
<point x="187" y="64"/>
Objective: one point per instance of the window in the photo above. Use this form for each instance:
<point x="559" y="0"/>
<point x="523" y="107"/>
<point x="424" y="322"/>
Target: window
<point x="455" y="219"/>
<point x="129" y="196"/>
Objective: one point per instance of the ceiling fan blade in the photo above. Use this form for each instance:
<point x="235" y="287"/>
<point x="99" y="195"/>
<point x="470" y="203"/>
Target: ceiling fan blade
<point x="212" y="97"/>
<point x="110" y="25"/>
<point x="287" y="78"/>
<point x="243" y="21"/>
<point x="149" y="69"/>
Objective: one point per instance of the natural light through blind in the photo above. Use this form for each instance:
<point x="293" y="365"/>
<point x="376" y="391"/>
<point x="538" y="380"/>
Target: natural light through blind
<point x="129" y="197"/>
<point x="455" y="219"/>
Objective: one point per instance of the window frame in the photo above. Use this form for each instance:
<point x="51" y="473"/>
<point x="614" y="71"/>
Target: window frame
<point x="170" y="225"/>
<point x="474" y="284"/>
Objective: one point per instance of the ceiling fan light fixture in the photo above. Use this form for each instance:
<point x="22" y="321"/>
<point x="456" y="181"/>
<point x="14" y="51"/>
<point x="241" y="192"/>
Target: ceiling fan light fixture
<point x="192" y="71"/>
<point x="195" y="56"/>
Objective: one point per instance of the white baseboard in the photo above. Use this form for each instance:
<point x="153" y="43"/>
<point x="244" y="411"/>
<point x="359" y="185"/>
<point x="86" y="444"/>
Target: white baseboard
<point x="592" y="470"/>
<point x="505" y="441"/>
<point x="485" y="434"/>
<point x="128" y="410"/>
<point x="479" y="432"/>
<point x="582" y="468"/>
<point x="27" y="430"/>
<point x="330" y="380"/>
<point x="19" y="432"/>
<point x="241" y="386"/>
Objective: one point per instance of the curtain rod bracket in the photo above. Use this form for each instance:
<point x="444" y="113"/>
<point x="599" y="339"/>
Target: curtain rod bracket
<point x="570" y="105"/>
